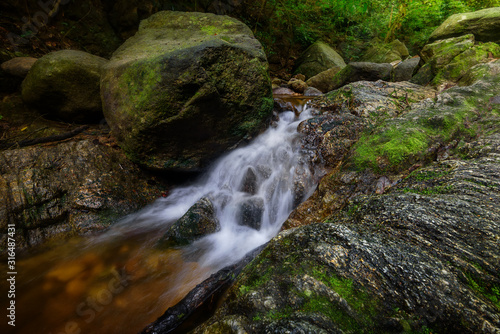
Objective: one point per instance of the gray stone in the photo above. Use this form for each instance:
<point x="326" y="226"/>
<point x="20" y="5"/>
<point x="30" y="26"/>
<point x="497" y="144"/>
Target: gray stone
<point x="19" y="66"/>
<point x="404" y="70"/>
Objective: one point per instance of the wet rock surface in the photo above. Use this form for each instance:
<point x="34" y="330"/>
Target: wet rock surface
<point x="416" y="258"/>
<point x="197" y="222"/>
<point x="70" y="188"/>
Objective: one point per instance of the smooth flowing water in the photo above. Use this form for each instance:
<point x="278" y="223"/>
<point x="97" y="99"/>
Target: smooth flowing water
<point x="119" y="281"/>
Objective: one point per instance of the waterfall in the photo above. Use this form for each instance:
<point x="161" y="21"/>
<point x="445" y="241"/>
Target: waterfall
<point x="273" y="166"/>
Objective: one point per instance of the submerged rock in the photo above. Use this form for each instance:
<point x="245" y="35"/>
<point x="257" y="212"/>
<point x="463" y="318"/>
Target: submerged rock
<point x="185" y="88"/>
<point x="483" y="24"/>
<point x="250" y="212"/>
<point x="197" y="222"/>
<point x="65" y="85"/>
<point x="317" y="58"/>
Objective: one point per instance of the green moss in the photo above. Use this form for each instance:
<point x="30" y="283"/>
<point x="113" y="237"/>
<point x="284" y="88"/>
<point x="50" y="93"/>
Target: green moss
<point x="401" y="142"/>
<point x="490" y="291"/>
<point x="139" y="82"/>
<point x="211" y="30"/>
<point x="395" y="144"/>
<point x="460" y="64"/>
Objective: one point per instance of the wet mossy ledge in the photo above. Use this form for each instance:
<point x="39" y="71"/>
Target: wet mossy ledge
<point x="215" y="90"/>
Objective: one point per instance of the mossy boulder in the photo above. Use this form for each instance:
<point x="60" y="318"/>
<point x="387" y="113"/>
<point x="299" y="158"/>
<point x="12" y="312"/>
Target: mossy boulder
<point x="361" y="71"/>
<point x="386" y="52"/>
<point x="324" y="80"/>
<point x="185" y="88"/>
<point x="483" y="24"/>
<point x="462" y="63"/>
<point x="446" y="61"/>
<point x="317" y="58"/>
<point x="199" y="221"/>
<point x="441" y="52"/>
<point x="65" y="85"/>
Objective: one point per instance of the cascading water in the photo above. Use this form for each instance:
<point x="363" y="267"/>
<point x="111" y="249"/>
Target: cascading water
<point x="253" y="190"/>
<point x="275" y="169"/>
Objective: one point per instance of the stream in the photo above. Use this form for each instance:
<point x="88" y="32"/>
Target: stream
<point x="120" y="281"/>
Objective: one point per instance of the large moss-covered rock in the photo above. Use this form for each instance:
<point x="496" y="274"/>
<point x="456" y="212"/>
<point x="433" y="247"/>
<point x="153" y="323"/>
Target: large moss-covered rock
<point x="199" y="221"/>
<point x="386" y="52"/>
<point x="483" y="24"/>
<point x="441" y="52"/>
<point x="324" y="80"/>
<point x="461" y="64"/>
<point x="446" y="61"/>
<point x="317" y="58"/>
<point x="65" y="85"/>
<point x="185" y="88"/>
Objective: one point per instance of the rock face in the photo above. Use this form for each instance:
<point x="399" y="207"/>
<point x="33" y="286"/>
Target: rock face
<point x="401" y="246"/>
<point x="317" y="58"/>
<point x="71" y="188"/>
<point x="483" y="24"/>
<point x="65" y="85"/>
<point x="198" y="221"/>
<point x="185" y="88"/>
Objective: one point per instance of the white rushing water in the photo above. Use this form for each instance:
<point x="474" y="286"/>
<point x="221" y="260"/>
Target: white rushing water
<point x="273" y="166"/>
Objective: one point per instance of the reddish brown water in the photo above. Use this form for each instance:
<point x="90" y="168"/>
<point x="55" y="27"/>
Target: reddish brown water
<point x="115" y="287"/>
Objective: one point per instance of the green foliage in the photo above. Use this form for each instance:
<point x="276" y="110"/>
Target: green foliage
<point x="280" y="25"/>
